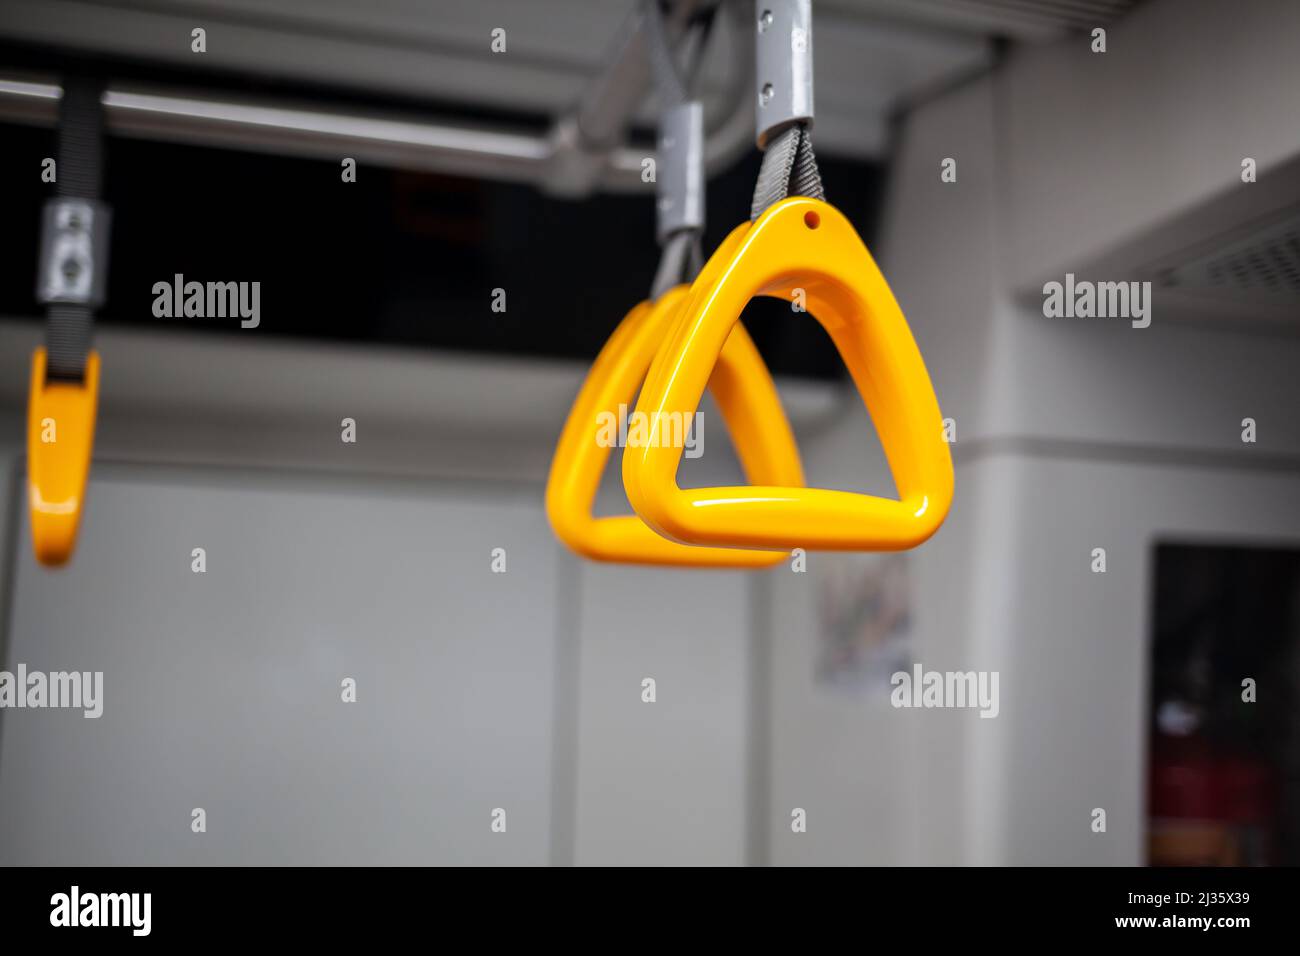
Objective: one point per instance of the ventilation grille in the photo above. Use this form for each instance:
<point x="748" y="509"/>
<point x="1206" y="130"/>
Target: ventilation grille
<point x="1262" y="265"/>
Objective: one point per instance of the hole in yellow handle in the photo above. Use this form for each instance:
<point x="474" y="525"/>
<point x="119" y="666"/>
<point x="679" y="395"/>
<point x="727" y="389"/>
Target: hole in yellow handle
<point x="60" y="437"/>
<point x="749" y="403"/>
<point x="808" y="244"/>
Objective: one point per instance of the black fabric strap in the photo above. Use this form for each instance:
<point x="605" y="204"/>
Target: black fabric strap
<point x="79" y="171"/>
<point x="68" y="331"/>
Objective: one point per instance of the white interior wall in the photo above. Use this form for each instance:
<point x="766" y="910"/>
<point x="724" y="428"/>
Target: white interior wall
<point x="372" y="557"/>
<point x="1099" y="147"/>
<point x="1077" y="643"/>
<point x="663" y="783"/>
<point x="222" y="690"/>
<point x="1071" y="434"/>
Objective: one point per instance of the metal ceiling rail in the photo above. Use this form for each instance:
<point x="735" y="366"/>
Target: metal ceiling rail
<point x="582" y="152"/>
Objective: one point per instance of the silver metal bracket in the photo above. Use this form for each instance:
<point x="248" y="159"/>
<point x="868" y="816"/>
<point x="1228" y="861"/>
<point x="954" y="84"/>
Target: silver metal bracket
<point x="73" y="265"/>
<point x="784" y="61"/>
<point x="680" y="176"/>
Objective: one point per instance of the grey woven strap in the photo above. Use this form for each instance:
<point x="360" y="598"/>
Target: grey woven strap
<point x="682" y="256"/>
<point x="669" y="85"/>
<point x="80" y="164"/>
<point x="789" y="169"/>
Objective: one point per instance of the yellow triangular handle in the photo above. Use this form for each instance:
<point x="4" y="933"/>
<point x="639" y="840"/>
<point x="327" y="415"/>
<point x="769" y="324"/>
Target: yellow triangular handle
<point x="749" y="403"/>
<point x="60" y="437"/>
<point x="799" y="244"/>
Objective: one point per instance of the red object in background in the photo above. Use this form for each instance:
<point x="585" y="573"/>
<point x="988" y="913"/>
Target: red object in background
<point x="1208" y="808"/>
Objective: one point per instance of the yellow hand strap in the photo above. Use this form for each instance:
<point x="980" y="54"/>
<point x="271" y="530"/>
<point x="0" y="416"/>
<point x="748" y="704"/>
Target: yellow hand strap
<point x="747" y="397"/>
<point x="806" y="244"/>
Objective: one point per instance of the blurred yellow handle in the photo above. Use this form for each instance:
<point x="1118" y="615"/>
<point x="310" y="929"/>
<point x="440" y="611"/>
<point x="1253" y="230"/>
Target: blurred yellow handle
<point x="749" y="403"/>
<point x="60" y="436"/>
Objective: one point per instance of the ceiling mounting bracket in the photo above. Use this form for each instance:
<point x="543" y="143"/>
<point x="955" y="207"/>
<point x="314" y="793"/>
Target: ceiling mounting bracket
<point x="784" y="94"/>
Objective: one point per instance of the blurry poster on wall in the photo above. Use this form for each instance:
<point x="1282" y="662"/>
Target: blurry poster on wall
<point x="864" y="611"/>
